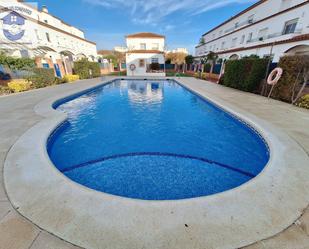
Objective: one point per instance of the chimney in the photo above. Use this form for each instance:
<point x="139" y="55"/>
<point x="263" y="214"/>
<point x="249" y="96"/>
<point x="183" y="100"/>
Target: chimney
<point x="44" y="9"/>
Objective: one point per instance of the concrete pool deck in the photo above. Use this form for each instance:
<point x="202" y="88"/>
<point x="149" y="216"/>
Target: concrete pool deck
<point x="18" y="115"/>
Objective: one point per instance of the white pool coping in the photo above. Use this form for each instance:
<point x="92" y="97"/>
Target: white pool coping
<point x="256" y="210"/>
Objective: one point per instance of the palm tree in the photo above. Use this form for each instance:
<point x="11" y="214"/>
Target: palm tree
<point x="211" y="58"/>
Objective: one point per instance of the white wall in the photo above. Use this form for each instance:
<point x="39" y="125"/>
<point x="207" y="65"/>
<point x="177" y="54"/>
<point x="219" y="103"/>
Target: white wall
<point x="134" y="43"/>
<point x="227" y="33"/>
<point x="133" y="58"/>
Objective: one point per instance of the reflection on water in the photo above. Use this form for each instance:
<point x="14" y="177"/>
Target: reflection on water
<point x="145" y="92"/>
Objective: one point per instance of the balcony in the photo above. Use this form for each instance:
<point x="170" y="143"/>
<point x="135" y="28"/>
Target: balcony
<point x="239" y="25"/>
<point x="273" y="36"/>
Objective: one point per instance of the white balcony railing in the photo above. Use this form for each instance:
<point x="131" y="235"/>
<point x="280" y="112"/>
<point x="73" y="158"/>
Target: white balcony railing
<point x="274" y="35"/>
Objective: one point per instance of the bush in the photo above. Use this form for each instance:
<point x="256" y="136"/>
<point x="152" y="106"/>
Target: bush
<point x="70" y="78"/>
<point x="118" y="73"/>
<point x="245" y="74"/>
<point x="59" y="81"/>
<point x="19" y="85"/>
<point x="189" y="59"/>
<point x="16" y="63"/>
<point x="42" y="77"/>
<point x="5" y="90"/>
<point x="304" y="102"/>
<point x="86" y="69"/>
<point x="291" y="65"/>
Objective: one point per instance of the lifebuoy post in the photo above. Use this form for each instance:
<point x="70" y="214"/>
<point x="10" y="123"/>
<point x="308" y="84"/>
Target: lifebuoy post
<point x="273" y="78"/>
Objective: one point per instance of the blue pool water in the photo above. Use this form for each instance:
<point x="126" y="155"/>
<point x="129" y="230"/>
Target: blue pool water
<point x="154" y="140"/>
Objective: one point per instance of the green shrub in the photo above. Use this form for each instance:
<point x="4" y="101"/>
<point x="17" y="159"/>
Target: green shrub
<point x="292" y="66"/>
<point x="15" y="63"/>
<point x="86" y="69"/>
<point x="189" y="59"/>
<point x="304" y="102"/>
<point x="42" y="77"/>
<point x="245" y="74"/>
<point x="118" y="73"/>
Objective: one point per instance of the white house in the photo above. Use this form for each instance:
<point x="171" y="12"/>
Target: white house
<point x="269" y="26"/>
<point x="29" y="32"/>
<point x="143" y="50"/>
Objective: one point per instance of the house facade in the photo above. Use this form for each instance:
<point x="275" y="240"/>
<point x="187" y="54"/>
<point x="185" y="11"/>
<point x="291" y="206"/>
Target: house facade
<point x="144" y="50"/>
<point x="52" y="42"/>
<point x="275" y="27"/>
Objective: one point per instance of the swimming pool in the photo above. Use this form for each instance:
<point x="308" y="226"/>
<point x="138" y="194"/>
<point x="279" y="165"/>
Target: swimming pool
<point x="154" y="140"/>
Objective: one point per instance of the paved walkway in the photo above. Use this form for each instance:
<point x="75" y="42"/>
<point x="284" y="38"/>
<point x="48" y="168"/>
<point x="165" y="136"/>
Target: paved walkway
<point x="18" y="116"/>
<point x="295" y="122"/>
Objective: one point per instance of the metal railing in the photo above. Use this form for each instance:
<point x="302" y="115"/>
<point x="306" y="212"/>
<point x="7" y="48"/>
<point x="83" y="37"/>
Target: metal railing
<point x="273" y="35"/>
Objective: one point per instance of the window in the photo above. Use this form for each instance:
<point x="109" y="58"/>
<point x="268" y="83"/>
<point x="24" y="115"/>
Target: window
<point x="143" y="46"/>
<point x="154" y="60"/>
<point x="141" y="63"/>
<point x="262" y="34"/>
<point x="155" y="46"/>
<point x="220" y="33"/>
<point x="236" y="25"/>
<point x="213" y="36"/>
<point x="47" y="37"/>
<point x="242" y="40"/>
<point x="234" y="41"/>
<point x="222" y="45"/>
<point x="290" y="26"/>
<point x="37" y="34"/>
<point x="45" y="21"/>
<point x="251" y="19"/>
<point x="250" y="37"/>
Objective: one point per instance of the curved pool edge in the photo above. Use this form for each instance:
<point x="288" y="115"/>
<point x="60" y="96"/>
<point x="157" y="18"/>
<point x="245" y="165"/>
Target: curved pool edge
<point x="87" y="217"/>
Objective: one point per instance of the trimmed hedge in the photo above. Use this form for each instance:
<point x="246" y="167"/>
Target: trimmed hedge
<point x="245" y="74"/>
<point x="291" y="65"/>
<point x="42" y="77"/>
<point x="87" y="69"/>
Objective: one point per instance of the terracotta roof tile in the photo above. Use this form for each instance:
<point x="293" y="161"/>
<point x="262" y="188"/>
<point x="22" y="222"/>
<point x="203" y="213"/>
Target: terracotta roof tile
<point x="145" y="35"/>
<point x="145" y="52"/>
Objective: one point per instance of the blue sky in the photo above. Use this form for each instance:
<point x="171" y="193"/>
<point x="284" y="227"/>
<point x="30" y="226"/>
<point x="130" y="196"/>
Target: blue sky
<point x="182" y="22"/>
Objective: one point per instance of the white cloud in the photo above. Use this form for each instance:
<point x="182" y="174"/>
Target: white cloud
<point x="154" y="11"/>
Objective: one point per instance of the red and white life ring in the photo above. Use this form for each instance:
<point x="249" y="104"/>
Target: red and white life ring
<point x="132" y="67"/>
<point x="274" y="76"/>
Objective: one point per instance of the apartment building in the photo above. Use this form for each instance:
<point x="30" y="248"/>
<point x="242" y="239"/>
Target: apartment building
<point x="275" y="27"/>
<point x="178" y="50"/>
<point x="29" y="32"/>
<point x="143" y="49"/>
